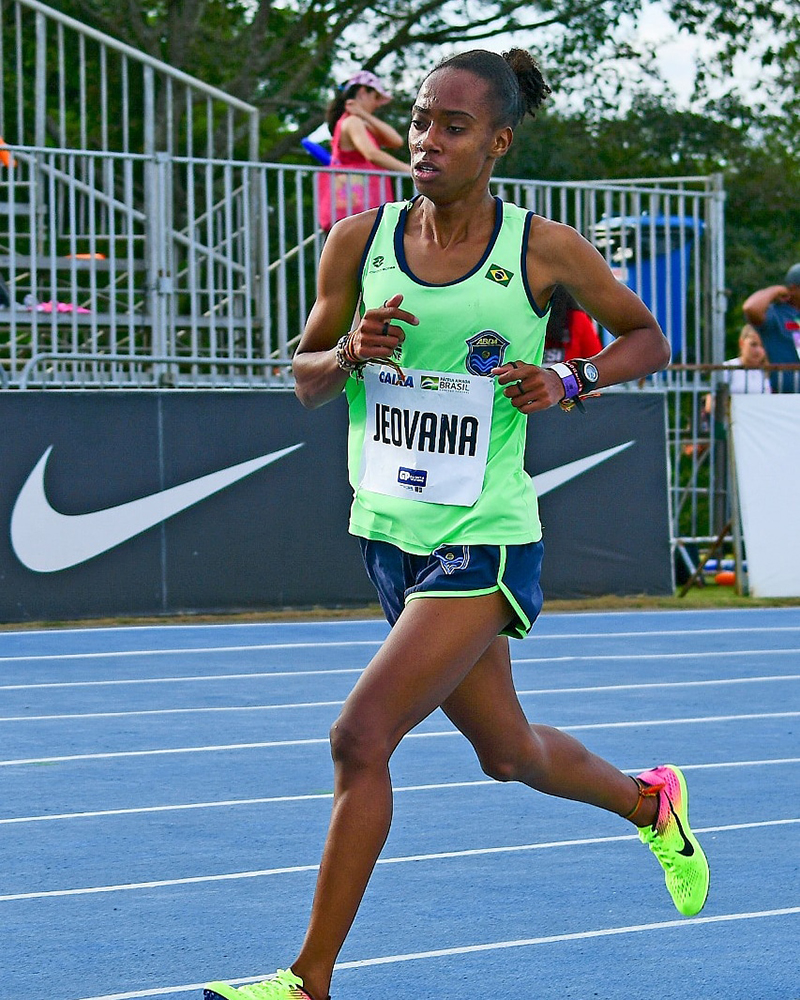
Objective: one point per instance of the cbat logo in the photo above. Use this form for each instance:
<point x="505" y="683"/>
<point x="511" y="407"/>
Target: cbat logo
<point x="378" y="261"/>
<point x="486" y="350"/>
<point x="499" y="274"/>
<point x="429" y="382"/>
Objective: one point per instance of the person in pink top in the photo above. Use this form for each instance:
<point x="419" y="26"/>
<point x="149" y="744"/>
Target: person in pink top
<point x="360" y="141"/>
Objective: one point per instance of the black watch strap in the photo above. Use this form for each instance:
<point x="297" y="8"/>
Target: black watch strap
<point x="587" y="373"/>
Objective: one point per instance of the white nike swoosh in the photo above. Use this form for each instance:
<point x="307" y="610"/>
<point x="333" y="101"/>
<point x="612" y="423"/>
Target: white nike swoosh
<point x="553" y="478"/>
<point x="46" y="541"/>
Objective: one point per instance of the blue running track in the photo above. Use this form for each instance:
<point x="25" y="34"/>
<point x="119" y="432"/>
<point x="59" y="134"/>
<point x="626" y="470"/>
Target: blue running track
<point x="165" y="792"/>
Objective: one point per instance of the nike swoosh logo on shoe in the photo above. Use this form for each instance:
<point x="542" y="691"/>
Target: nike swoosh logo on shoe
<point x="687" y="850"/>
<point x="46" y="541"/>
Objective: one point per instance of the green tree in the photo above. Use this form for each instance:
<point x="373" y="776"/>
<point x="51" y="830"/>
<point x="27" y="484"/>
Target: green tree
<point x="279" y="56"/>
<point x="756" y="152"/>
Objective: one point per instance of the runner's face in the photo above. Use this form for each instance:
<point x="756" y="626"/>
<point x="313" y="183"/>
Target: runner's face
<point x="453" y="139"/>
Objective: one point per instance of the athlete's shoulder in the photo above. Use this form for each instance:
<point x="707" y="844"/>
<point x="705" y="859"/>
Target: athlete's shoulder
<point x="557" y="242"/>
<point x="353" y="228"/>
<point x="553" y="233"/>
<point x="349" y="238"/>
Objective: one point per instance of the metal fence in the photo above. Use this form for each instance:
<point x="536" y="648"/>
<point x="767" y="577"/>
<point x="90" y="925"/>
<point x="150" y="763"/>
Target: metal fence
<point x="66" y="85"/>
<point x="129" y="269"/>
<point x="703" y="515"/>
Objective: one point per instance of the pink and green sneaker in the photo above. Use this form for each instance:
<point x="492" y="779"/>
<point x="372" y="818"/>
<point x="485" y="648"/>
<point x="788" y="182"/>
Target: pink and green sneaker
<point x="672" y="841"/>
<point x="285" y="985"/>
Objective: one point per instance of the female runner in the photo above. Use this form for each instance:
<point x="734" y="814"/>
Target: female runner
<point x="441" y="371"/>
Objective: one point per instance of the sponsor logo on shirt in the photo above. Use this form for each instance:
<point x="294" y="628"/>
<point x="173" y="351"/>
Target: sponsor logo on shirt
<point x="485" y="351"/>
<point x="379" y="264"/>
<point x="413" y="479"/>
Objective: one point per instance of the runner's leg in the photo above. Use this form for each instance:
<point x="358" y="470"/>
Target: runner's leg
<point x="431" y="649"/>
<point x="486" y="709"/>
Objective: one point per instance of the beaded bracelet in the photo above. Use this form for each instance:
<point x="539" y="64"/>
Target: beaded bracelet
<point x="351" y="364"/>
<point x="345" y="358"/>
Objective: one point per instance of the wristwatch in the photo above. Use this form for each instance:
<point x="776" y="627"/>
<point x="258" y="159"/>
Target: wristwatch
<point x="588" y="374"/>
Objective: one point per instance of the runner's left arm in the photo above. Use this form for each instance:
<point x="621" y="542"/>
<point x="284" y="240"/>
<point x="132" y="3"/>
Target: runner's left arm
<point x="559" y="255"/>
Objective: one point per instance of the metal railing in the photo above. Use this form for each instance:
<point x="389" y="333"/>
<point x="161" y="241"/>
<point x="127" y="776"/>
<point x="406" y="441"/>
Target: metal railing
<point x="77" y="88"/>
<point x="187" y="258"/>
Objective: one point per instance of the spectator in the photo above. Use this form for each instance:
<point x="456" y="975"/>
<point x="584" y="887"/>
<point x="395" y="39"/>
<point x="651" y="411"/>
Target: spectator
<point x="746" y="374"/>
<point x="359" y="142"/>
<point x="747" y="371"/>
<point x="571" y="333"/>
<point x="775" y="313"/>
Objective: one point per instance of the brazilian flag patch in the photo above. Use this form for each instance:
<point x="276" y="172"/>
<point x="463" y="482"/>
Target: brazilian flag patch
<point x="499" y="274"/>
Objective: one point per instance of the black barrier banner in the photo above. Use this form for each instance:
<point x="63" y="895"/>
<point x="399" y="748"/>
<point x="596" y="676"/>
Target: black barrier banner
<point x="602" y="479"/>
<point x="123" y="503"/>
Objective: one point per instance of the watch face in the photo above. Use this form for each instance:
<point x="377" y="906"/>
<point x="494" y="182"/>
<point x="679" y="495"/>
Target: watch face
<point x="590" y="373"/>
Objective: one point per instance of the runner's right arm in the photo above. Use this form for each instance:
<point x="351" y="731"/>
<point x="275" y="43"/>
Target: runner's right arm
<point x="318" y="377"/>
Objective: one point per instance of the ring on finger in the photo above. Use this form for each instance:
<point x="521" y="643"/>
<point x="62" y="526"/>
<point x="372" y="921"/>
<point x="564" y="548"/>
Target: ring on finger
<point x="385" y="329"/>
<point x="521" y="390"/>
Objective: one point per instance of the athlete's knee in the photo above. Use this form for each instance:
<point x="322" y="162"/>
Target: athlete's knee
<point x="513" y="760"/>
<point x="355" y="746"/>
<point x="500" y="768"/>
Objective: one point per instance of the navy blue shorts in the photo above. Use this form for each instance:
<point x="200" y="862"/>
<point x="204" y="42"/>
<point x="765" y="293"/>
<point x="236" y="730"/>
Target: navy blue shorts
<point x="458" y="571"/>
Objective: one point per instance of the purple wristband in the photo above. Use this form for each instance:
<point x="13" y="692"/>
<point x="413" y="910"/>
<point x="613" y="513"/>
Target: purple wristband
<point x="571" y="385"/>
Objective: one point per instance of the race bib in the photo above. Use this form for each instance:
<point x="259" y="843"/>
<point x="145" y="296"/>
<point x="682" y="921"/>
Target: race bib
<point x="426" y="435"/>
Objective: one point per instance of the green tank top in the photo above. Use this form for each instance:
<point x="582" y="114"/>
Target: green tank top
<point x="466" y="327"/>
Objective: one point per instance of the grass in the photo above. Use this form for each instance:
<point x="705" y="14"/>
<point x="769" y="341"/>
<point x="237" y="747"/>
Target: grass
<point x="707" y="597"/>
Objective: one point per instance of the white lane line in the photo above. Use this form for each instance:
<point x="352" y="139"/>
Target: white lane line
<point x="192" y="678"/>
<point x="364" y="963"/>
<point x="314" y="796"/>
<point x="170" y="711"/>
<point x="340" y="643"/>
<point x="540" y="660"/>
<point x="594" y="689"/>
<point x="405" y="859"/>
<point x="560" y="938"/>
<point x="311" y="741"/>
<point x="334" y="643"/>
<point x="190" y="650"/>
<point x="617" y="657"/>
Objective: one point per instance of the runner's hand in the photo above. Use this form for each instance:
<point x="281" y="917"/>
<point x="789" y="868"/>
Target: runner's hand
<point x="376" y="336"/>
<point x="529" y="387"/>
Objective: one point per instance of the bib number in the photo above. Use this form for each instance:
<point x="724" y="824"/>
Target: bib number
<point x="426" y="436"/>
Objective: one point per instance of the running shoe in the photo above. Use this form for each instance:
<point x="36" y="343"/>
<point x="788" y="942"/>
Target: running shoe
<point x="672" y="841"/>
<point x="285" y="985"/>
